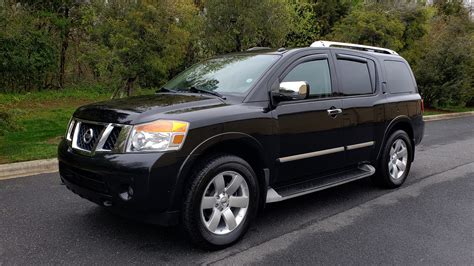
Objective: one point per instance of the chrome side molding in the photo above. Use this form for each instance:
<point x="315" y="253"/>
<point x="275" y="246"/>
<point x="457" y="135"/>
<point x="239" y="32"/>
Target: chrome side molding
<point x="324" y="152"/>
<point x="360" y="145"/>
<point x="310" y="154"/>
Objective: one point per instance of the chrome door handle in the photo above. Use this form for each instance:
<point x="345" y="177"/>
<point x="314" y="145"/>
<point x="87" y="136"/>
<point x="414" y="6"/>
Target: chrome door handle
<point x="333" y="112"/>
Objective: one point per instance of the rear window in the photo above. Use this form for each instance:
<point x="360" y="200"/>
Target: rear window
<point x="399" y="79"/>
<point x="355" y="77"/>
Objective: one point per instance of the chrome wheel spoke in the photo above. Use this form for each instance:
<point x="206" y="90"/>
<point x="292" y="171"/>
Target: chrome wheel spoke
<point x="234" y="184"/>
<point x="219" y="184"/>
<point x="208" y="202"/>
<point x="402" y="153"/>
<point x="241" y="201"/>
<point x="392" y="151"/>
<point x="395" y="171"/>
<point x="229" y="219"/>
<point x="397" y="145"/>
<point x="401" y="165"/>
<point x="214" y="220"/>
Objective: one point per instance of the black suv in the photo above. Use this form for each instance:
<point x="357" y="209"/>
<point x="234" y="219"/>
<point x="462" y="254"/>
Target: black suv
<point x="235" y="132"/>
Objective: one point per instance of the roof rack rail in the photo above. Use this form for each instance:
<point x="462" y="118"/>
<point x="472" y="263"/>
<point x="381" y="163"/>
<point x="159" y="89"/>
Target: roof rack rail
<point x="257" y="48"/>
<point x="353" y="46"/>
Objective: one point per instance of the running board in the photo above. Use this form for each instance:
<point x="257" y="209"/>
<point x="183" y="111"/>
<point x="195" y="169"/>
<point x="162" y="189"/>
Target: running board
<point x="313" y="185"/>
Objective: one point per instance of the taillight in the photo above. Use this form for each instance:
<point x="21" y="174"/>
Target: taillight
<point x="422" y="106"/>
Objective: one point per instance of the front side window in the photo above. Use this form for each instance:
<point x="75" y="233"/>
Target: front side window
<point x="233" y="74"/>
<point x="316" y="74"/>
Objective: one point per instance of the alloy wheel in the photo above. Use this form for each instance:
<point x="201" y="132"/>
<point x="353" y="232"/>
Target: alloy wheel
<point x="225" y="202"/>
<point x="398" y="159"/>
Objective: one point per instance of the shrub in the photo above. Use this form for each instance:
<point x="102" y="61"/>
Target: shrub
<point x="7" y="123"/>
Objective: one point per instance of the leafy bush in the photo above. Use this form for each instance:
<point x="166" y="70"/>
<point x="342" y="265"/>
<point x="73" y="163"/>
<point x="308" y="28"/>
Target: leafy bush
<point x="7" y="123"/>
<point x="370" y="26"/>
<point x="445" y="67"/>
<point x="27" y="51"/>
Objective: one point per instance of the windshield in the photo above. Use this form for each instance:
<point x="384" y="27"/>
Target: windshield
<point x="225" y="75"/>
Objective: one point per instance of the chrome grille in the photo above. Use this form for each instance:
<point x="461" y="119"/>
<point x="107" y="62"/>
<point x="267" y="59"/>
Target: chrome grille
<point x="91" y="137"/>
<point x="88" y="135"/>
<point x="112" y="139"/>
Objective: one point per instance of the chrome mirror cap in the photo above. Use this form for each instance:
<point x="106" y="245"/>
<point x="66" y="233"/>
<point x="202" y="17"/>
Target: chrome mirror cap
<point x="296" y="90"/>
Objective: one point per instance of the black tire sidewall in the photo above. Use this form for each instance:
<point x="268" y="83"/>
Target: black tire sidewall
<point x="202" y="179"/>
<point x="385" y="173"/>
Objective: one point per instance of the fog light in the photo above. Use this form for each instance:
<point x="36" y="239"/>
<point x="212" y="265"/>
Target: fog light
<point x="127" y="195"/>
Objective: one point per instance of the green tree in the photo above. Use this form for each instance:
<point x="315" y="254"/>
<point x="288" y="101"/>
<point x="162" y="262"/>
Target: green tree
<point x="59" y="14"/>
<point x="314" y="19"/>
<point x="370" y="26"/>
<point x="139" y="41"/>
<point x="451" y="7"/>
<point x="235" y="25"/>
<point x="446" y="62"/>
<point x="305" y="25"/>
<point x="28" y="54"/>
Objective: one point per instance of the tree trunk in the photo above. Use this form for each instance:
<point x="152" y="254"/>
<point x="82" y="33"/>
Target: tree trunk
<point x="64" y="46"/>
<point x="238" y="42"/>
<point x="130" y="83"/>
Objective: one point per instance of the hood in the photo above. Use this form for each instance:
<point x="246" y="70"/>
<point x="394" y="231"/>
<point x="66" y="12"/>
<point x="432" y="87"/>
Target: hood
<point x="140" y="109"/>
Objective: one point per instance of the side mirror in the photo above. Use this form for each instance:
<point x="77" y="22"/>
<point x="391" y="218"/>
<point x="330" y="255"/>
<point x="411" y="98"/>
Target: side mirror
<point x="292" y="90"/>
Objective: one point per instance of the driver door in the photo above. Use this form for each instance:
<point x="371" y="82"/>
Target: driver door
<point x="310" y="131"/>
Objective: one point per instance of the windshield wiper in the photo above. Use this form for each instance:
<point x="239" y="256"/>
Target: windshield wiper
<point x="194" y="89"/>
<point x="191" y="89"/>
<point x="164" y="89"/>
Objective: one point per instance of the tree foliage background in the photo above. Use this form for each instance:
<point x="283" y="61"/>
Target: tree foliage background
<point x="129" y="44"/>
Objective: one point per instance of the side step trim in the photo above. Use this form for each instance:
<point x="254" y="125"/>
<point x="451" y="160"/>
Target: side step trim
<point x="274" y="196"/>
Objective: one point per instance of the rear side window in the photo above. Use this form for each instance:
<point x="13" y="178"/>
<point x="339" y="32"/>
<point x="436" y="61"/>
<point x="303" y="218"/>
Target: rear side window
<point x="316" y="74"/>
<point x="399" y="79"/>
<point x="355" y="76"/>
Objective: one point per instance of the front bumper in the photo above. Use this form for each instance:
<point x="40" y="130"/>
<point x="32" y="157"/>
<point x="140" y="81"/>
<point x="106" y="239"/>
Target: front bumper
<point x="103" y="177"/>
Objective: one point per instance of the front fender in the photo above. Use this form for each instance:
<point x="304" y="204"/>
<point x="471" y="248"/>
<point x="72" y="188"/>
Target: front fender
<point x="189" y="162"/>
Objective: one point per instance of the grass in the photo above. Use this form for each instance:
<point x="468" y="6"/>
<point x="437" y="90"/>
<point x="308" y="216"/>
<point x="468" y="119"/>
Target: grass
<point x="41" y="118"/>
<point x="445" y="110"/>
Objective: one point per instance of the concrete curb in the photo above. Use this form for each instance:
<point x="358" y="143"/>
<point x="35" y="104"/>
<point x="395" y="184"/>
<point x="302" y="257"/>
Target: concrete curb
<point x="447" y="116"/>
<point x="14" y="170"/>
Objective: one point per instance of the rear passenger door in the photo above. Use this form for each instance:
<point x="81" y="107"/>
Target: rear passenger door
<point x="358" y="83"/>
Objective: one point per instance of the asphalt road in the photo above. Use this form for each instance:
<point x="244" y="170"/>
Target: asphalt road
<point x="430" y="220"/>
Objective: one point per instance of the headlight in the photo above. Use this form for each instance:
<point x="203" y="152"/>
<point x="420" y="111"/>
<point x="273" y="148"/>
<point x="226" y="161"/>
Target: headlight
<point x="160" y="135"/>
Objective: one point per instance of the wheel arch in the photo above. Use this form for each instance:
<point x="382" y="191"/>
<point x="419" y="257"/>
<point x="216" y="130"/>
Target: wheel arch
<point x="235" y="143"/>
<point x="399" y="123"/>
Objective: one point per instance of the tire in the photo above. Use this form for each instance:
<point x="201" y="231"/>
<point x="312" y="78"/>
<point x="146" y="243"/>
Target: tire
<point x="210" y="198"/>
<point x="397" y="154"/>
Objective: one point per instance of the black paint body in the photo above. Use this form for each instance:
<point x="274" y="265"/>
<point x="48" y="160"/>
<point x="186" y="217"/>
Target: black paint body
<point x="254" y="127"/>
